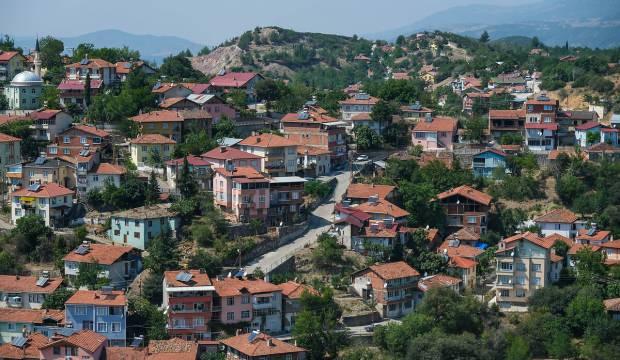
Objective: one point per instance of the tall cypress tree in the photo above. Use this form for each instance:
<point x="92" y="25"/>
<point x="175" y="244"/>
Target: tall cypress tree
<point x="151" y="194"/>
<point x="87" y="90"/>
<point x="185" y="183"/>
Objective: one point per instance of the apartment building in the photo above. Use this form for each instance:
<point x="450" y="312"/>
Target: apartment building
<point x="173" y="124"/>
<point x="143" y="147"/>
<point x="47" y="123"/>
<point x="436" y="133"/>
<point x="279" y="154"/>
<point x="83" y="344"/>
<point x="222" y="154"/>
<point x="360" y="103"/>
<point x="98" y="69"/>
<point x="199" y="167"/>
<point x="257" y="345"/>
<point x="560" y="221"/>
<point x="286" y="199"/>
<point x="243" y="192"/>
<point x="466" y="207"/>
<point x="50" y="201"/>
<point x="137" y="227"/>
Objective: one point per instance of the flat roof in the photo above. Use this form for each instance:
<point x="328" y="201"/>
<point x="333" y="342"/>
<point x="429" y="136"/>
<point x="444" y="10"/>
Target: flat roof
<point x="286" y="179"/>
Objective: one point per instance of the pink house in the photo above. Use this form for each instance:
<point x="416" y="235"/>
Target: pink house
<point x="84" y="344"/>
<point x="242" y="191"/>
<point x="436" y="133"/>
<point x="218" y="157"/>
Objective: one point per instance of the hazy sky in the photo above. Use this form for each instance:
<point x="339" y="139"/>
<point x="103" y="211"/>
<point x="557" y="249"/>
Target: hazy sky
<point x="211" y="22"/>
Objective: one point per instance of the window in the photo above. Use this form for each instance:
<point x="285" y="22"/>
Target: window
<point x="87" y="324"/>
<point x="530" y="108"/>
<point x="102" y="327"/>
<point x="520" y="267"/>
<point x="66" y="151"/>
<point x="199" y="321"/>
<point x="199" y="307"/>
<point x="102" y="311"/>
<point x="245" y="314"/>
<point x="66" y="139"/>
<point x="82" y="140"/>
<point x="230" y="316"/>
<point x="295" y="195"/>
<point x="261" y="199"/>
<point x="536" y="267"/>
<point x="293" y="208"/>
<point x="18" y="212"/>
<point x="548" y="108"/>
<point x="520" y="280"/>
<point x="245" y="299"/>
<point x="166" y="147"/>
<point x="471" y="219"/>
<point x="547" y="119"/>
<point x="392" y="307"/>
<point x="150" y="223"/>
<point x="136" y="235"/>
<point x="263" y="300"/>
<point x="164" y="125"/>
<point x="506" y="266"/>
<point x="230" y="301"/>
<point x="81" y="310"/>
<point x="520" y="293"/>
<point x="96" y="140"/>
<point x="116" y="327"/>
<point x="53" y="150"/>
<point x="11" y="326"/>
<point x="504" y="293"/>
<point x="144" y="148"/>
<point x="71" y="351"/>
<point x="536" y="281"/>
<point x="56" y="350"/>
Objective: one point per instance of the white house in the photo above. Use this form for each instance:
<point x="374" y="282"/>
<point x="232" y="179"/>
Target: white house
<point x="582" y="131"/>
<point x="103" y="173"/>
<point x="560" y="221"/>
<point x="50" y="201"/>
<point x="27" y="292"/>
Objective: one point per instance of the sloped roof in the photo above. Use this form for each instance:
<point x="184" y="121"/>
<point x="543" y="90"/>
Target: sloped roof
<point x="467" y="192"/>
<point x="462" y="250"/>
<point x="172" y="349"/>
<point x="98" y="297"/>
<point x="30" y="316"/>
<point x="89" y="130"/>
<point x="109" y="169"/>
<point x="364" y="191"/>
<point x="599" y="235"/>
<point x="437" y="281"/>
<point x="102" y="254"/>
<point x="394" y="270"/>
<point x="588" y="126"/>
<point x="85" y="339"/>
<point x="462" y="262"/>
<point x="152" y="139"/>
<point x="560" y="215"/>
<point x="612" y="304"/>
<point x="158" y="116"/>
<point x="382" y="207"/>
<point x="198" y="278"/>
<point x="8" y="138"/>
<point x="260" y="346"/>
<point x="235" y="287"/>
<point x="439" y="123"/>
<point x="233" y="79"/>
<point x="191" y="160"/>
<point x="465" y="234"/>
<point x="226" y="153"/>
<point x="29" y="351"/>
<point x="267" y="141"/>
<point x="147" y="212"/>
<point x="294" y="290"/>
<point x="45" y="191"/>
<point x="531" y="237"/>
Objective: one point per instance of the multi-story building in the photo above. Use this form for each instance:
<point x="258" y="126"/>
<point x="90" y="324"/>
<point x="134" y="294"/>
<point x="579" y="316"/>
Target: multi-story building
<point x="104" y="173"/>
<point x="312" y="127"/>
<point x="24" y="91"/>
<point x="559" y="221"/>
<point x="46" y="171"/>
<point x="222" y="154"/>
<point x="314" y="161"/>
<point x="118" y="264"/>
<point x="173" y="124"/>
<point x="525" y="263"/>
<point x="286" y="199"/>
<point x="214" y="105"/>
<point x="227" y="81"/>
<point x="436" y="133"/>
<point x="611" y="249"/>
<point x="11" y="64"/>
<point x="390" y="288"/>
<point x="47" y="124"/>
<point x="291" y="296"/>
<point x="97" y="68"/>
<point x="471" y="98"/>
<point x="466" y="207"/>
<point x="506" y="122"/>
<point x="137" y="227"/>
<point x="187" y="300"/>
<point x="255" y="302"/>
<point x="144" y="147"/>
<point x="257" y="345"/>
<point x="377" y="239"/>
<point x="74" y="91"/>
<point x="360" y="103"/>
<point x="360" y="193"/>
<point x="242" y="191"/>
<point x="103" y="311"/>
<point x="52" y="202"/>
<point x="75" y="139"/>
<point x="199" y="167"/>
<point x="486" y="162"/>
<point x="14" y="323"/>
<point x="27" y="292"/>
<point x="124" y="68"/>
<point x="165" y="91"/>
<point x="415" y="112"/>
<point x="279" y="154"/>
<point x="438" y="281"/>
<point x="10" y="153"/>
<point x="383" y="210"/>
<point x="541" y="127"/>
<point x="84" y="344"/>
<point x="593" y="236"/>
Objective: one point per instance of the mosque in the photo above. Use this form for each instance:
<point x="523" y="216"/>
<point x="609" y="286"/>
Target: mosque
<point x="24" y="91"/>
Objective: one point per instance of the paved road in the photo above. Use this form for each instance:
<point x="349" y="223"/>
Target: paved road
<point x="319" y="222"/>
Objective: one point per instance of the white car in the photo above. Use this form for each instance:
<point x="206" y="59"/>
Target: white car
<point x="362" y="158"/>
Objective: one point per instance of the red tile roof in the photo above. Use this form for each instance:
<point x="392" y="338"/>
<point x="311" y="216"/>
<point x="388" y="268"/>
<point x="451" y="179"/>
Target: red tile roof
<point x="611" y="244"/>
<point x="45" y="191"/>
<point x="466" y="251"/>
<point x="600" y="235"/>
<point x="192" y="160"/>
<point x="354" y="217"/>
<point x="44" y="114"/>
<point x="7" y="55"/>
<point x="603" y="147"/>
<point x="164" y="87"/>
<point x="261" y="346"/>
<point x="267" y="141"/>
<point x="158" y="116"/>
<point x="226" y="153"/>
<point x="235" y="287"/>
<point x="587" y="126"/>
<point x="531" y="237"/>
<point x="246" y="172"/>
<point x="84" y="339"/>
<point x="577" y="247"/>
<point x="29" y="351"/>
<point x="89" y="130"/>
<point x="464" y="234"/>
<point x="311" y="150"/>
<point x="364" y="191"/>
<point x="92" y="64"/>
<point x="541" y="102"/>
<point x="462" y="263"/>
<point x="380" y="231"/>
<point x="557" y="237"/>
<point x="97" y="297"/>
<point x="467" y="192"/>
<point x="555" y="258"/>
<point x="394" y="270"/>
<point x="125" y="353"/>
<point x="353" y="100"/>
<point x="441" y="124"/>
<point x="4" y="119"/>
<point x="612" y="304"/>
<point x="79" y="84"/>
<point x="382" y="207"/>
<point x="152" y="139"/>
<point x="30" y="316"/>
<point x="313" y="116"/>
<point x="197" y="88"/>
<point x="361" y="117"/>
<point x="168" y="102"/>
<point x="561" y="216"/>
<point x="294" y="290"/>
<point x="437" y="281"/>
<point x="102" y="254"/>
<point x="198" y="278"/>
<point x="8" y="138"/>
<point x="233" y="79"/>
<point x="173" y="349"/>
<point x="109" y="169"/>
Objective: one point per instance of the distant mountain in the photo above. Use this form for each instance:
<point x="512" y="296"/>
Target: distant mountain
<point x="594" y="23"/>
<point x="151" y="47"/>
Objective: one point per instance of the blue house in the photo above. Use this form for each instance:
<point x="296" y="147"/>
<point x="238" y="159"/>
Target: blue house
<point x="103" y="311"/>
<point x="137" y="227"/>
<point x="485" y="162"/>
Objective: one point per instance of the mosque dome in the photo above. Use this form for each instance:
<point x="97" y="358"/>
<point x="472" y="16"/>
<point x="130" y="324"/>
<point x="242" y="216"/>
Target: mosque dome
<point x="26" y="78"/>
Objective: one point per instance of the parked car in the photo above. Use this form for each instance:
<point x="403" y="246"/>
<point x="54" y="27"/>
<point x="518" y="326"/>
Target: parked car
<point x="362" y="158"/>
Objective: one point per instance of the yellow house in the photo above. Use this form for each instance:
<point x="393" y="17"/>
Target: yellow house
<point x="173" y="124"/>
<point x="11" y="64"/>
<point x="142" y="148"/>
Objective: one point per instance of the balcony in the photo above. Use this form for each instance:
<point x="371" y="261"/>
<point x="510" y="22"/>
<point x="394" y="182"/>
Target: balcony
<point x="262" y="306"/>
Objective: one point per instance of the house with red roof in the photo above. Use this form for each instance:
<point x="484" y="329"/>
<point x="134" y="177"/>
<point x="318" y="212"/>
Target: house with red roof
<point x="292" y="292"/>
<point x="165" y="91"/>
<point x="47" y="123"/>
<point x="102" y="173"/>
<point x="188" y="300"/>
<point x="242" y="191"/>
<point x="11" y="64"/>
<point x="178" y="103"/>
<point x="541" y="127"/>
<point x="124" y="68"/>
<point x="390" y="288"/>
<point x="439" y="281"/>
<point x="361" y="193"/>
<point x="117" y="263"/>
<point x="506" y="122"/>
<point x="414" y="112"/>
<point x="360" y="103"/>
<point x="98" y="69"/>
<point x="585" y="132"/>
<point x="466" y="207"/>
<point x="219" y="156"/>
<point x="486" y="162"/>
<point x="199" y="167"/>
<point x="258" y="345"/>
<point x="214" y="105"/>
<point x="611" y="249"/>
<point x="559" y="221"/>
<point x="226" y="81"/>
<point x="462" y="252"/>
<point x="436" y="133"/>
<point x="473" y="97"/>
<point x="314" y="161"/>
<point x="279" y="153"/>
<point x="16" y="323"/>
<point x="50" y="201"/>
<point x="74" y="91"/>
<point x="142" y="148"/>
<point x="10" y="152"/>
<point x="173" y="124"/>
<point x="83" y="344"/>
<point x="525" y="262"/>
<point x="26" y="292"/>
<point x="103" y="311"/>
<point x="28" y="351"/>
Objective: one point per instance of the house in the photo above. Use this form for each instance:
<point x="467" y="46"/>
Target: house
<point x="592" y="236"/>
<point x="428" y="74"/>
<point x="312" y="127"/>
<point x="29" y="350"/>
<point x="390" y="287"/>
<point x="349" y="222"/>
<point x="47" y="124"/>
<point x="124" y="68"/>
<point x="414" y="112"/>
<point x="506" y="122"/>
<point x="364" y="119"/>
<point x="383" y="210"/>
<point x="525" y="263"/>
<point x="138" y="226"/>
<point x="23" y="93"/>
<point x="227" y="81"/>
<point x="588" y="134"/>
<point x="601" y="151"/>
<point x="465" y="268"/>
<point x="279" y="154"/>
<point x="485" y="163"/>
<point x="292" y="292"/>
<point x="16" y="323"/>
<point x="362" y="58"/>
<point x="568" y="120"/>
<point x="610" y="136"/>
<point x="612" y="306"/>
<point x="462" y="249"/>
<point x="174" y="348"/>
<point x="360" y="193"/>
<point x="439" y="281"/>
<point x="220" y="155"/>
<point x="401" y="76"/>
<point x="103" y="173"/>
<point x="559" y="221"/>
<point x="360" y="103"/>
<point x="286" y="199"/>
<point x="118" y="264"/>
<point x="173" y="124"/>
<point x="187" y="300"/>
<point x="507" y="80"/>
<point x="11" y="64"/>
<point x="98" y="69"/>
<point x="377" y="239"/>
<point x="73" y="140"/>
<point x="83" y="344"/>
<point x="541" y="127"/>
<point x="165" y="91"/>
<point x="214" y="105"/>
<point x="26" y="292"/>
<point x="611" y="249"/>
<point x="199" y="168"/>
<point x="46" y="171"/>
<point x="254" y="302"/>
<point x="314" y="161"/>
<point x="143" y="147"/>
<point x="74" y="91"/>
<point x="257" y="345"/>
<point x="465" y="82"/>
<point x="242" y="191"/>
<point x="471" y="98"/>
<point x="436" y="133"/>
<point x="353" y="89"/>
<point x="51" y="201"/>
<point x="10" y="152"/>
<point x="178" y="103"/>
<point x="103" y="311"/>
<point x="466" y="207"/>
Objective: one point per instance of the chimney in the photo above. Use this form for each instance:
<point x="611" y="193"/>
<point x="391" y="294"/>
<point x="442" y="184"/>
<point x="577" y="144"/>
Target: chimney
<point x="270" y="342"/>
<point x="428" y="118"/>
<point x="238" y="332"/>
<point x="222" y="149"/>
<point x="258" y="139"/>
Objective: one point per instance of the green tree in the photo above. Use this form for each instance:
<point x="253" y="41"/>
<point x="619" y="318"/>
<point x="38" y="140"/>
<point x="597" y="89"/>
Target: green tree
<point x="4" y="102"/>
<point x="50" y="49"/>
<point x="185" y="182"/>
<point x="50" y="97"/>
<point x="382" y="113"/>
<point x="203" y="260"/>
<point x="366" y="138"/>
<point x="224" y="128"/>
<point x="453" y="313"/>
<point x="328" y="252"/>
<point x="484" y="38"/>
<point x="87" y="90"/>
<point x="244" y="40"/>
<point x="152" y="192"/>
<point x="585" y="309"/>
<point x="518" y="349"/>
<point x="8" y="265"/>
<point x="475" y="129"/>
<point x="29" y="230"/>
<point x="593" y="137"/>
<point x="57" y="299"/>
<point x="204" y="51"/>
<point x="162" y="255"/>
<point x="88" y="275"/>
<point x="155" y="158"/>
<point x="590" y="266"/>
<point x="146" y="319"/>
<point x="179" y="68"/>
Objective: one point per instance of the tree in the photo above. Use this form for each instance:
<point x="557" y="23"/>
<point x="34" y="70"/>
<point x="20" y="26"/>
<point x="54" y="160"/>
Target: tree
<point x="204" y="51"/>
<point x="8" y="265"/>
<point x="4" y="102"/>
<point x="87" y="90"/>
<point x="484" y="38"/>
<point x="57" y="299"/>
<point x="569" y="187"/>
<point x="224" y="128"/>
<point x="585" y="309"/>
<point x="162" y="254"/>
<point x="88" y="275"/>
<point x="366" y="138"/>
<point x="451" y="312"/>
<point x="475" y="129"/>
<point x="536" y="42"/>
<point x="400" y="40"/>
<point x="185" y="182"/>
<point x="203" y="260"/>
<point x="244" y="40"/>
<point x="147" y="318"/>
<point x="179" y="67"/>
<point x="590" y="265"/>
<point x="80" y="232"/>
<point x="382" y="113"/>
<point x="593" y="137"/>
<point x="518" y="349"/>
<point x="7" y="43"/>
<point x="50" y="96"/>
<point x="437" y="345"/>
<point x="152" y="192"/>
<point x="50" y="49"/>
<point x="155" y="158"/>
<point x="268" y="90"/>
<point x="328" y="252"/>
<point x="30" y="228"/>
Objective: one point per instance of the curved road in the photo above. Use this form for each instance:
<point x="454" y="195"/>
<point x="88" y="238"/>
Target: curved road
<point x="319" y="222"/>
